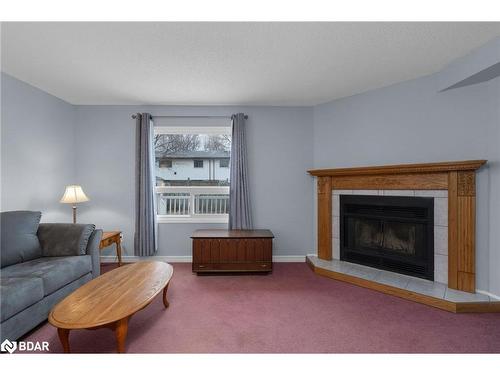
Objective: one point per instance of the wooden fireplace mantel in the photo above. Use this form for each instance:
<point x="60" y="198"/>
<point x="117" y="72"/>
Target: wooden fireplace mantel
<point x="457" y="177"/>
<point x="447" y="166"/>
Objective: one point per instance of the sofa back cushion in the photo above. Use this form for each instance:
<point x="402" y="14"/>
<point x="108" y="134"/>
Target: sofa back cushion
<point x="18" y="239"/>
<point x="58" y="239"/>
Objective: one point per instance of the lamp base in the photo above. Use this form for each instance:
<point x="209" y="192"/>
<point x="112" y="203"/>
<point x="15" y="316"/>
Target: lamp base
<point x="74" y="214"/>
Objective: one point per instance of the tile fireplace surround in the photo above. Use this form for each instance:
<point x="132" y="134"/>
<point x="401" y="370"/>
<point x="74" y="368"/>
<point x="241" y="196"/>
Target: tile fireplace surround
<point x="452" y="185"/>
<point x="440" y="223"/>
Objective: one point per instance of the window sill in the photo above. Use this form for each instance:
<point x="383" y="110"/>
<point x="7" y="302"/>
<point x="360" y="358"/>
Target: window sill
<point x="178" y="219"/>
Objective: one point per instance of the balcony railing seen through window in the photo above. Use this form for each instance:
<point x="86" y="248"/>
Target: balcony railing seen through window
<point x="192" y="201"/>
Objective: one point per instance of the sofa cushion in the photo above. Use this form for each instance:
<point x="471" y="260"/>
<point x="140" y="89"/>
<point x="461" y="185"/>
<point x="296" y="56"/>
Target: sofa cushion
<point x="19" y="242"/>
<point x="55" y="272"/>
<point x="59" y="239"/>
<point x="18" y="293"/>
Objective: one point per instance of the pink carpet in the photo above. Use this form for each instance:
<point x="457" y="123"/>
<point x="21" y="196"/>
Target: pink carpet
<point x="291" y="310"/>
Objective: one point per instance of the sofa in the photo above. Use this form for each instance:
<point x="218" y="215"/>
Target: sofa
<point x="40" y="265"/>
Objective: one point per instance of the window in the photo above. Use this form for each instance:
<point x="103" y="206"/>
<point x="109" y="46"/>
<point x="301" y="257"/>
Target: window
<point x="189" y="185"/>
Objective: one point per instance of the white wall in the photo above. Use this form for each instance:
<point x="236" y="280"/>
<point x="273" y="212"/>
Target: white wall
<point x="38" y="150"/>
<point x="279" y="143"/>
<point x="413" y="122"/>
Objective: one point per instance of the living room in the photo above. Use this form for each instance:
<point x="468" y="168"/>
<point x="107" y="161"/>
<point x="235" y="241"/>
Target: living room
<point x="201" y="187"/>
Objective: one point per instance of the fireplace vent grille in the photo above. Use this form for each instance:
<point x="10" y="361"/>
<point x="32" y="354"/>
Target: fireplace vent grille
<point x="387" y="264"/>
<point x="395" y="211"/>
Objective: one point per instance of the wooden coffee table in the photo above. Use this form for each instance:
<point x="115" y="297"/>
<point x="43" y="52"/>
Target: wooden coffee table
<point x="110" y="300"/>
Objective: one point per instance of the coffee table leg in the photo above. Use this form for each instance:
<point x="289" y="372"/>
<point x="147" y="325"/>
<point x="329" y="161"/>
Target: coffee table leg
<point x="121" y="329"/>
<point x="64" y="338"/>
<point x="165" y="302"/>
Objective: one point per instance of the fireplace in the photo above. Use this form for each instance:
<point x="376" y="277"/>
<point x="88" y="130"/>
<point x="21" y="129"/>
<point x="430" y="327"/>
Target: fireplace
<point x="394" y="233"/>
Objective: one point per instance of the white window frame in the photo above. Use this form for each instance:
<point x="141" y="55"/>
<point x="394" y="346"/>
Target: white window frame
<point x="193" y="130"/>
<point x="193" y="190"/>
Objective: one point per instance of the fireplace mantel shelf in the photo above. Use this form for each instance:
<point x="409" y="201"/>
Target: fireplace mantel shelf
<point x="465" y="165"/>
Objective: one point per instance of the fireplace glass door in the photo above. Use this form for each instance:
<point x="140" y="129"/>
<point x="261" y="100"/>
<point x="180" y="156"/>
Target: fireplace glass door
<point x="393" y="233"/>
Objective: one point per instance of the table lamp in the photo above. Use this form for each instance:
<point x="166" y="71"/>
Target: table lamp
<point x="74" y="194"/>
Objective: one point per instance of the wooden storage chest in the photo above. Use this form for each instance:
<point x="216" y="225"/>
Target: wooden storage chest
<point x="220" y="250"/>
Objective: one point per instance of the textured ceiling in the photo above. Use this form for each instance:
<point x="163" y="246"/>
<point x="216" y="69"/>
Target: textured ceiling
<point x="229" y="63"/>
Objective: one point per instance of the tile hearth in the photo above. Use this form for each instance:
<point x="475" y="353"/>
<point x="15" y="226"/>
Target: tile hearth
<point x="408" y="283"/>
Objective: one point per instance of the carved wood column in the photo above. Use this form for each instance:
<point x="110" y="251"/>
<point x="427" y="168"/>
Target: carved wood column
<point x="461" y="230"/>
<point x="325" y="218"/>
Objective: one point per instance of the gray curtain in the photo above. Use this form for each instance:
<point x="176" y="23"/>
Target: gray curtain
<point x="146" y="230"/>
<point x="240" y="215"/>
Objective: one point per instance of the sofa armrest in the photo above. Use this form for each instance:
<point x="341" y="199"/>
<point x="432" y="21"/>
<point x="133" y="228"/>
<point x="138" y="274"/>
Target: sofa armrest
<point x="93" y="249"/>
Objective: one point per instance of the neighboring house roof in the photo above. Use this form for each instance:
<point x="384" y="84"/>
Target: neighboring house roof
<point x="195" y="155"/>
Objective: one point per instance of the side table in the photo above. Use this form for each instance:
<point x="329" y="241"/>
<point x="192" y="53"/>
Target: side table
<point x="109" y="238"/>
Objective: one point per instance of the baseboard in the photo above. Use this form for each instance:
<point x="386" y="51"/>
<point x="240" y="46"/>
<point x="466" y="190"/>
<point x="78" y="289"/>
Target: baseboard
<point x="188" y="259"/>
<point x="133" y="259"/>
<point x="289" y="258"/>
<point x="488" y="294"/>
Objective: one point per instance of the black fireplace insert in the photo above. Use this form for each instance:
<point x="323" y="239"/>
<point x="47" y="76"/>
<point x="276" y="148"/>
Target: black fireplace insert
<point x="394" y="233"/>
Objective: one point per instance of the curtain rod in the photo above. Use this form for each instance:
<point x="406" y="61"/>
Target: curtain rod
<point x="246" y="116"/>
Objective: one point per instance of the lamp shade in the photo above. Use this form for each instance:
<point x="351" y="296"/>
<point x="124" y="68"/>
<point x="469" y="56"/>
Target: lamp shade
<point x="74" y="194"/>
